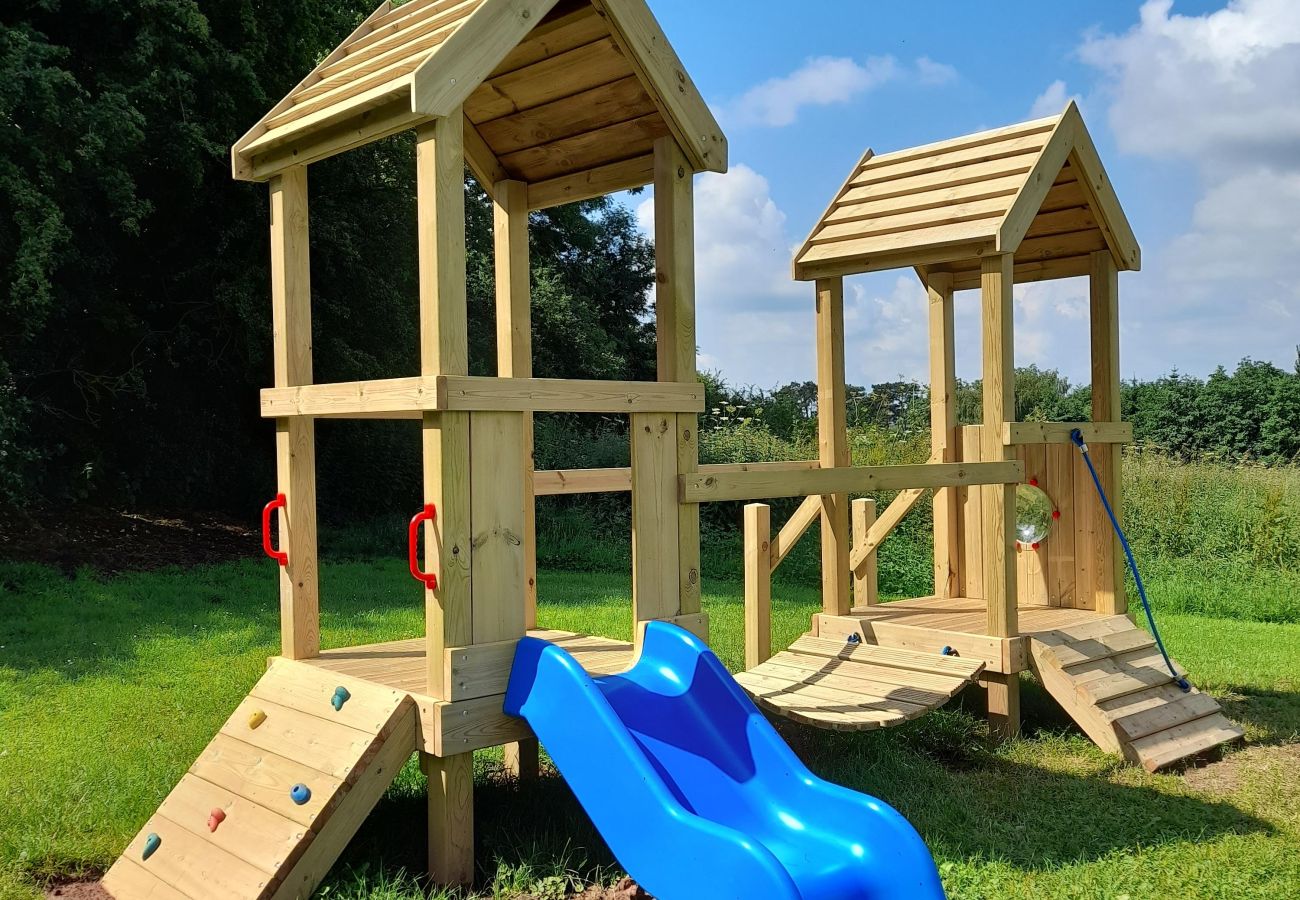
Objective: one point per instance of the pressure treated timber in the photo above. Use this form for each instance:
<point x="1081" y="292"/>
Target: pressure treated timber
<point x="709" y="487"/>
<point x="272" y="848"/>
<point x="595" y="182"/>
<point x="794" y="528"/>
<point x="1115" y="684"/>
<point x="1106" y="562"/>
<point x="396" y="398"/>
<point x="675" y="342"/>
<point x="1059" y="432"/>
<point x="854" y="687"/>
<point x="943" y="427"/>
<point x="832" y="443"/>
<point x="863" y="560"/>
<point x="655" y="523"/>
<point x="295" y="439"/>
<point x="758" y="583"/>
<point x="612" y="480"/>
<point x="946" y="206"/>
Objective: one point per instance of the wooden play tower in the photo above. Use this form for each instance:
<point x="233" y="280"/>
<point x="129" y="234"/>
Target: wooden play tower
<point x="548" y="102"/>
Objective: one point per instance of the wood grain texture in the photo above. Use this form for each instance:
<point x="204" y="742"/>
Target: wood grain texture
<point x="655" y="560"/>
<point x="1104" y="318"/>
<point x="832" y="443"/>
<point x="295" y="439"/>
<point x="760" y="485"/>
<point x="758" y="583"/>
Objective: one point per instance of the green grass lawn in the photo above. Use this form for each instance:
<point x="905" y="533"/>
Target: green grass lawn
<point x="110" y="687"/>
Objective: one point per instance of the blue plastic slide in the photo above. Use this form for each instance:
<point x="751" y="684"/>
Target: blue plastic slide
<point x="696" y="793"/>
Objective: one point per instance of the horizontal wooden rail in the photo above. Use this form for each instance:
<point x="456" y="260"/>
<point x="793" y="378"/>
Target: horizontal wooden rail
<point x="409" y="398"/>
<point x="1059" y="432"/>
<point x="551" y="482"/>
<point x="709" y="487"/>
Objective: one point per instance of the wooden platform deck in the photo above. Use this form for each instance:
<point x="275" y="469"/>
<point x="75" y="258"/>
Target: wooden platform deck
<point x="401" y="664"/>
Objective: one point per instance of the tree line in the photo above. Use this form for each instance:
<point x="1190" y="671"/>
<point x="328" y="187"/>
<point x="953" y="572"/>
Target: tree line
<point x="1251" y="414"/>
<point x="134" y="287"/>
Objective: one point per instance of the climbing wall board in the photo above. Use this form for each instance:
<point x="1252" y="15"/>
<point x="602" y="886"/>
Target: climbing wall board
<point x="277" y="795"/>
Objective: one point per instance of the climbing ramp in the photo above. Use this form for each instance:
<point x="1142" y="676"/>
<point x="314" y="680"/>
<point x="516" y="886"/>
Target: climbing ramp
<point x="1109" y="676"/>
<point x="276" y="796"/>
<point x="855" y="686"/>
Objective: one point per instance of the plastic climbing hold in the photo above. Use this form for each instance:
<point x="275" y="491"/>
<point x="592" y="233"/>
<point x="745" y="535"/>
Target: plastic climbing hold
<point x="255" y="718"/>
<point x="854" y="639"/>
<point x="948" y="651"/>
<point x="215" y="818"/>
<point x="300" y="794"/>
<point x="151" y="844"/>
<point x="340" y="697"/>
<point x="1056" y="514"/>
<point x="1033" y="482"/>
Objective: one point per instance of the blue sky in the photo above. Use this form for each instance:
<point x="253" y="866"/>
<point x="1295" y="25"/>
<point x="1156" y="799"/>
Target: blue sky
<point x="1195" y="107"/>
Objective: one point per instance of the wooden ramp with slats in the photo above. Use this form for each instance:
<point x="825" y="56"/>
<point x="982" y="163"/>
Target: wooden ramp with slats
<point x="855" y="686"/>
<point x="1109" y="676"/>
<point x="285" y="733"/>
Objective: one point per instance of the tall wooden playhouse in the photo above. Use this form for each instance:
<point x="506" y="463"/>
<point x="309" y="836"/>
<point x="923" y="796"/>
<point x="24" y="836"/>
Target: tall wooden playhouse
<point x="551" y="102"/>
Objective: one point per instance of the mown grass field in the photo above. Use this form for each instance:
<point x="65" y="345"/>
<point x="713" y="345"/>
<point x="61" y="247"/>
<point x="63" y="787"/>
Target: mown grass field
<point x="110" y="687"/>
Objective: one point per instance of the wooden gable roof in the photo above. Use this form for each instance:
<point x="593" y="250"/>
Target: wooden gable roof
<point x="549" y="89"/>
<point x="1037" y="189"/>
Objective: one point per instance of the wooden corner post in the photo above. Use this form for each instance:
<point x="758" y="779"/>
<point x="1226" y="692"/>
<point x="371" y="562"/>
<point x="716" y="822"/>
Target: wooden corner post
<point x="295" y="436"/>
<point x="444" y="350"/>
<point x="674" y="205"/>
<point x="833" y="447"/>
<point x="999" y="501"/>
<point x="1106" y="561"/>
<point x="943" y="432"/>
<point x="515" y="360"/>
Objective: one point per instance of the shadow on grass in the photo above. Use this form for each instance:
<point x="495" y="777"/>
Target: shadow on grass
<point x="966" y="800"/>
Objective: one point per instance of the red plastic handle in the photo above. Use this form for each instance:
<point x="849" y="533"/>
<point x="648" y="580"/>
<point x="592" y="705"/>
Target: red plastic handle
<point x="428" y="514"/>
<point x="278" y="503"/>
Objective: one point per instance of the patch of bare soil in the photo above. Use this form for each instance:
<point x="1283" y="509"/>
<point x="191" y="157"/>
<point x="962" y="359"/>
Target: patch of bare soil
<point x="1230" y="774"/>
<point x="78" y="890"/>
<point x="114" y="541"/>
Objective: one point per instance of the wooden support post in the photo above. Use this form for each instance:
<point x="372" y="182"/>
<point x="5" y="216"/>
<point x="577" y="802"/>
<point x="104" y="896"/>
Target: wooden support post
<point x="866" y="579"/>
<point x="1106" y="561"/>
<point x="943" y="433"/>
<point x="1003" y="691"/>
<point x="295" y="438"/>
<point x="655" y="592"/>
<point x="758" y="583"/>
<point x="444" y="350"/>
<point x="833" y="449"/>
<point x="674" y="204"/>
<point x="515" y="360"/>
<point x="999" y="501"/>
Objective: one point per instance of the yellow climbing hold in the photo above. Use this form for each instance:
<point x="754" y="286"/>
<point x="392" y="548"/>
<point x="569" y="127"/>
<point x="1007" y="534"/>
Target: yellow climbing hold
<point x="257" y="717"/>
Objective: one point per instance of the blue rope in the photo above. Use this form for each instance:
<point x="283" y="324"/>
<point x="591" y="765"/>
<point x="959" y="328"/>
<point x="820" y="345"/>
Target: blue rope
<point x="1077" y="437"/>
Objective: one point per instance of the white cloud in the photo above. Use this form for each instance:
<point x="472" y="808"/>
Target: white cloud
<point x="826" y="81"/>
<point x="1216" y="92"/>
<point x="930" y="72"/>
<point x="821" y="81"/>
<point x="1051" y="101"/>
<point x="754" y="323"/>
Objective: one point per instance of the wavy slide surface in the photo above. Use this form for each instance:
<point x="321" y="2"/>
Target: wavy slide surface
<point x="696" y="793"/>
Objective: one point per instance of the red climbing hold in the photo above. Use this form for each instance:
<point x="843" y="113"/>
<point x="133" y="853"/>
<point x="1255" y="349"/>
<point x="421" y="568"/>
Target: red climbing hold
<point x="215" y="818"/>
<point x="1056" y="514"/>
<point x="1035" y="545"/>
<point x="1033" y="482"/>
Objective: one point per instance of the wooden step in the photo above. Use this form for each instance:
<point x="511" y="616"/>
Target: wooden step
<point x="1184" y="741"/>
<point x="265" y="845"/>
<point x="1112" y="680"/>
<point x="852" y="687"/>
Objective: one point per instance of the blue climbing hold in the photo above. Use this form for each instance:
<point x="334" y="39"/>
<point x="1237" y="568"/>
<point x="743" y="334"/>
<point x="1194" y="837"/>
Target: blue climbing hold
<point x="300" y="794"/>
<point x="854" y="639"/>
<point x="948" y="651"/>
<point x="340" y="697"/>
<point x="151" y="843"/>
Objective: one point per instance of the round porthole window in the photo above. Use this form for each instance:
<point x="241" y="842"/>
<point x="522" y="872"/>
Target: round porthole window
<point x="1034" y="515"/>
